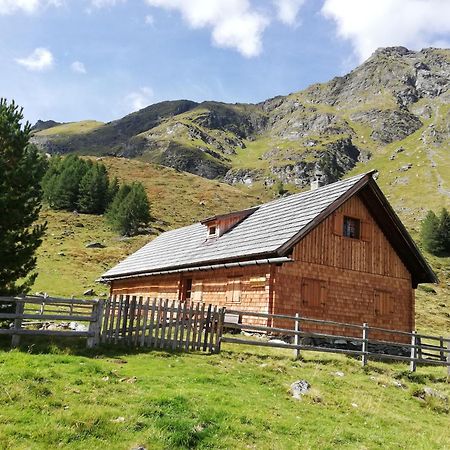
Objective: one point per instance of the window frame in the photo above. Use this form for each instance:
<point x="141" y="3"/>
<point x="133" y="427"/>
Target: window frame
<point x="358" y="228"/>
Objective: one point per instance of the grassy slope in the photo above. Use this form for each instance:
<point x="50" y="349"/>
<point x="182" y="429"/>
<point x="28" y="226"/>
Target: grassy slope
<point x="238" y="399"/>
<point x="177" y="199"/>
<point x="72" y="128"/>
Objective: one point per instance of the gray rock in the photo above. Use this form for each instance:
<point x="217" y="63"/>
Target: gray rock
<point x="89" y="292"/>
<point x="338" y="374"/>
<point x="95" y="245"/>
<point x="430" y="392"/>
<point x="405" y="168"/>
<point x="299" y="388"/>
<point x="75" y="326"/>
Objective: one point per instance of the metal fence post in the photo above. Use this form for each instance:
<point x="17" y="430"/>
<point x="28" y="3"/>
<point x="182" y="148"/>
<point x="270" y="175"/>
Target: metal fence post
<point x="297" y="337"/>
<point x="365" y="344"/>
<point x="413" y="362"/>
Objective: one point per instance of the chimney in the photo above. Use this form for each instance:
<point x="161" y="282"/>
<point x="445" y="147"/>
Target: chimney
<point x="315" y="184"/>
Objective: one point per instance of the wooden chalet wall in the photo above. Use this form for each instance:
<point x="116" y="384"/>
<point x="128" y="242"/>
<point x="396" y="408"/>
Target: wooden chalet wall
<point x="246" y="289"/>
<point x="346" y="280"/>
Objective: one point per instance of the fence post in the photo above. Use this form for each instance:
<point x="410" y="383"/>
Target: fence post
<point x="95" y="326"/>
<point x="221" y="320"/>
<point x="448" y="359"/>
<point x="365" y="344"/>
<point x="20" y="306"/>
<point x="296" y="336"/>
<point x="441" y="351"/>
<point x="413" y="362"/>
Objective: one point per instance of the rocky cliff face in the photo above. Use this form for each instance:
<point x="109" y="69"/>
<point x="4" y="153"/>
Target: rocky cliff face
<point x="321" y="132"/>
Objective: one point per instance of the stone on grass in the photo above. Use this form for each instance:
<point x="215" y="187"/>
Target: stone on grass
<point x="95" y="245"/>
<point x="89" y="292"/>
<point x="299" y="388"/>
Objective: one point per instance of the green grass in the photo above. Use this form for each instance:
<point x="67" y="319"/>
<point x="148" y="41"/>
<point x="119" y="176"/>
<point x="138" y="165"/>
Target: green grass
<point x="60" y="397"/>
<point x="71" y="128"/>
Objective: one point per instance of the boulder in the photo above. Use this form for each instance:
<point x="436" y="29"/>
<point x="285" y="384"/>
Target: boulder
<point x="299" y="388"/>
<point x="89" y="292"/>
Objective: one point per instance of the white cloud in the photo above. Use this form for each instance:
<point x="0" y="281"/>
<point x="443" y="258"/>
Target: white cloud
<point x="234" y="23"/>
<point x="369" y="24"/>
<point x="287" y="10"/>
<point x="78" y="67"/>
<point x="139" y="99"/>
<point x="105" y="3"/>
<point x="27" y="6"/>
<point x="41" y="59"/>
<point x="12" y="6"/>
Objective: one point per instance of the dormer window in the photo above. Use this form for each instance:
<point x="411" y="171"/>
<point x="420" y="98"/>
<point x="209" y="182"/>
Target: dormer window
<point x="212" y="231"/>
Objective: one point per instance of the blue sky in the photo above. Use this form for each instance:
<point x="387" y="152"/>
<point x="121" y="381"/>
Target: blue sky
<point x="101" y="59"/>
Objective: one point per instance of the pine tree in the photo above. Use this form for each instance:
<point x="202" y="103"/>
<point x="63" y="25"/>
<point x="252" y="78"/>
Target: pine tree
<point x="93" y="190"/>
<point x="113" y="188"/>
<point x="130" y="209"/>
<point x="444" y="230"/>
<point x="67" y="185"/>
<point x="430" y="233"/>
<point x="21" y="172"/>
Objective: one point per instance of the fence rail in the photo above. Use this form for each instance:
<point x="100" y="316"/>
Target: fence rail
<point x="25" y="313"/>
<point x="421" y="348"/>
<point x="164" y="324"/>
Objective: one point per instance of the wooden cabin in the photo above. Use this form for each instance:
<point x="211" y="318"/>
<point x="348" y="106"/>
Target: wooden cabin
<point x="338" y="252"/>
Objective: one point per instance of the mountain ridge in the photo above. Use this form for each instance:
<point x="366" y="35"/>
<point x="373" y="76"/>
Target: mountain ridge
<point x="322" y="132"/>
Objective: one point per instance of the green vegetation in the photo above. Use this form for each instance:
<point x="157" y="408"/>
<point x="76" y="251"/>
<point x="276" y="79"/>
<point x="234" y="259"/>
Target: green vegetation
<point x="435" y="232"/>
<point x="117" y="399"/>
<point x="129" y="212"/>
<point x="72" y="128"/>
<point x="72" y="183"/>
<point x="21" y="171"/>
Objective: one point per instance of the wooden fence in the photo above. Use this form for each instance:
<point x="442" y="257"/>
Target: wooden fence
<point x="47" y="316"/>
<point x="421" y="348"/>
<point x="164" y="324"/>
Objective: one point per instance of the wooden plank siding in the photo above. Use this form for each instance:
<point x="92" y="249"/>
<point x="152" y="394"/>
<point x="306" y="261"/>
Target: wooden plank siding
<point x="346" y="275"/>
<point x="345" y="279"/>
<point x="212" y="287"/>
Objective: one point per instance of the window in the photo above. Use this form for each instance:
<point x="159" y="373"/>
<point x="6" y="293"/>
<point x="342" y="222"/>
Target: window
<point x="352" y="227"/>
<point x="213" y="231"/>
<point x="383" y="304"/>
<point x="314" y="293"/>
<point x="234" y="290"/>
<point x="187" y="289"/>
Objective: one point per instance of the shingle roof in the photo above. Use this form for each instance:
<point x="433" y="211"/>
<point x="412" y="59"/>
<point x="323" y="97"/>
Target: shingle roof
<point x="263" y="233"/>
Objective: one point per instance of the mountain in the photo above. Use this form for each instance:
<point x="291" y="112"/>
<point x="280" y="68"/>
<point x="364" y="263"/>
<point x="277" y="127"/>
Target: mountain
<point x="394" y="106"/>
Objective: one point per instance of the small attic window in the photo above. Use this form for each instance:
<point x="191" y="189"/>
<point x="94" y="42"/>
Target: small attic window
<point x="352" y="227"/>
<point x="212" y="230"/>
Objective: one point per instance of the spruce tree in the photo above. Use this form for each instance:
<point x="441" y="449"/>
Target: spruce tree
<point x="430" y="233"/>
<point x="444" y="230"/>
<point x="21" y="171"/>
<point x="93" y="190"/>
<point x="130" y="209"/>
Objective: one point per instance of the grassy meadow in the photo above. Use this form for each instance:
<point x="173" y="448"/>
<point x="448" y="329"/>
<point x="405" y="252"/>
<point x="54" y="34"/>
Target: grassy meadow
<point x="57" y="397"/>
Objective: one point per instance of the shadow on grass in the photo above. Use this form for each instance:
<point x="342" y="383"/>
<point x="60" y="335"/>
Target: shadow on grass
<point x="77" y="347"/>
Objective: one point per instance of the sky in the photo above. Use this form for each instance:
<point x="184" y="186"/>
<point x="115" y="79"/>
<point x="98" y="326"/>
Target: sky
<point x="70" y="60"/>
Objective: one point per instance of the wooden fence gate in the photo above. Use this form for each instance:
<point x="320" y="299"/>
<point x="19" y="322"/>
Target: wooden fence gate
<point x="164" y="324"/>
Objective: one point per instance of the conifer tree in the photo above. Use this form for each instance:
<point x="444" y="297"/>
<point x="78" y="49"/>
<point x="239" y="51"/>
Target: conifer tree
<point x="21" y="172"/>
<point x="431" y="233"/>
<point x="130" y="209"/>
<point x="444" y="230"/>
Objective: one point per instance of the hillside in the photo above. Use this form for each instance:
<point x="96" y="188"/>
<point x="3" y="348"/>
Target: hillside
<point x="66" y="267"/>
